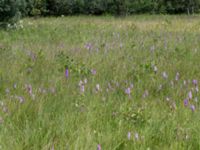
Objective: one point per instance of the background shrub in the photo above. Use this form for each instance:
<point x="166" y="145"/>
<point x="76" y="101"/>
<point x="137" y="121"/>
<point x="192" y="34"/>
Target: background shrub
<point x="9" y="11"/>
<point x="12" y="10"/>
<point x="120" y="7"/>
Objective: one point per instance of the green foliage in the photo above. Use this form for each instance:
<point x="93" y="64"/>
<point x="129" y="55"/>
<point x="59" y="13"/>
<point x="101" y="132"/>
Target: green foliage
<point x="12" y="10"/>
<point x="9" y="10"/>
<point x="35" y="7"/>
<point x="65" y="7"/>
<point x="38" y="8"/>
<point x="121" y="7"/>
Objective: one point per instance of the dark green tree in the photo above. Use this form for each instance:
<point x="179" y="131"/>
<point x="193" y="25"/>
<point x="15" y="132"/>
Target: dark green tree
<point x="9" y="12"/>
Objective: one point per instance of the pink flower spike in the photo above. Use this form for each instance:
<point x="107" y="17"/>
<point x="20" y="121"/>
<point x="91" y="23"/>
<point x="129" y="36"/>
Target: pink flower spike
<point x="128" y="91"/>
<point x="98" y="147"/>
<point x="192" y="107"/>
<point x="29" y="89"/>
<point x="66" y="73"/>
<point x="94" y="72"/>
<point x="195" y="82"/>
<point x="190" y="95"/>
<point x="186" y="102"/>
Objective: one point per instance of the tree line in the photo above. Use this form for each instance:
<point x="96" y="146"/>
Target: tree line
<point x="11" y="10"/>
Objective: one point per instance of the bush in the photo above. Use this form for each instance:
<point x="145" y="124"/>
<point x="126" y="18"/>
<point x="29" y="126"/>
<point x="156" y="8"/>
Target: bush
<point x="121" y="7"/>
<point x="65" y="7"/>
<point x="11" y="11"/>
<point x="36" y="7"/>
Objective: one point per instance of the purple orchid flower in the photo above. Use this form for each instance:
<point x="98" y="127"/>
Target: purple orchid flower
<point x="98" y="147"/>
<point x="67" y="73"/>
<point x="186" y="102"/>
<point x="192" y="107"/>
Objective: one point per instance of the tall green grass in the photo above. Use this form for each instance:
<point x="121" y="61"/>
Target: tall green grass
<point x="155" y="57"/>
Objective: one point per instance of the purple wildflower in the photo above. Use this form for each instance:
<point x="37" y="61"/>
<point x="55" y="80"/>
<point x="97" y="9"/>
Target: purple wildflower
<point x="195" y="82"/>
<point x="52" y="148"/>
<point x="98" y="147"/>
<point x="128" y="91"/>
<point x="190" y="95"/>
<point x="94" y="72"/>
<point x="192" y="107"/>
<point x="67" y="73"/>
<point x="88" y="46"/>
<point x="29" y="89"/>
<point x="186" y="102"/>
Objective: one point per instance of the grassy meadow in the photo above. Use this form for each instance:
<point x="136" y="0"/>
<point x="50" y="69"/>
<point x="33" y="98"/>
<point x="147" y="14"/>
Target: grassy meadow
<point x="105" y="83"/>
